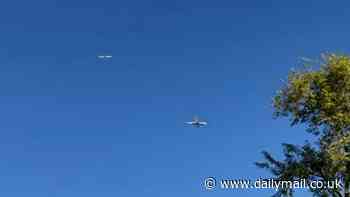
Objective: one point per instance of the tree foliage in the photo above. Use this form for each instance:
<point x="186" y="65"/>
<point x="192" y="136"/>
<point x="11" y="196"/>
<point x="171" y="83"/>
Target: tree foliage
<point x="320" y="100"/>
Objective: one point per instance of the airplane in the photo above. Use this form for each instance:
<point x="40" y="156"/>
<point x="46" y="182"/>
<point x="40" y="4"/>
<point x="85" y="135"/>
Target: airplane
<point x="197" y="123"/>
<point x="104" y="56"/>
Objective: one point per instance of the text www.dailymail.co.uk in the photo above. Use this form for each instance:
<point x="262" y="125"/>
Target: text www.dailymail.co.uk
<point x="211" y="183"/>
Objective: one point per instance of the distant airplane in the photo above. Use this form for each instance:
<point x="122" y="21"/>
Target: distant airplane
<point x="104" y="56"/>
<point x="197" y="123"/>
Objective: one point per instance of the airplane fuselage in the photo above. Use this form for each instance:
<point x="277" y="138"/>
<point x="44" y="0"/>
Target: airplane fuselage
<point x="198" y="124"/>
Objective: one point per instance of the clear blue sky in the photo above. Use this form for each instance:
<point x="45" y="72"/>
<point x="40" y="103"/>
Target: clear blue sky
<point x="72" y="125"/>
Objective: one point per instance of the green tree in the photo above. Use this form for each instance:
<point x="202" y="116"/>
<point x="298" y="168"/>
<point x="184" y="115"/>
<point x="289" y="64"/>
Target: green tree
<point x="319" y="100"/>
